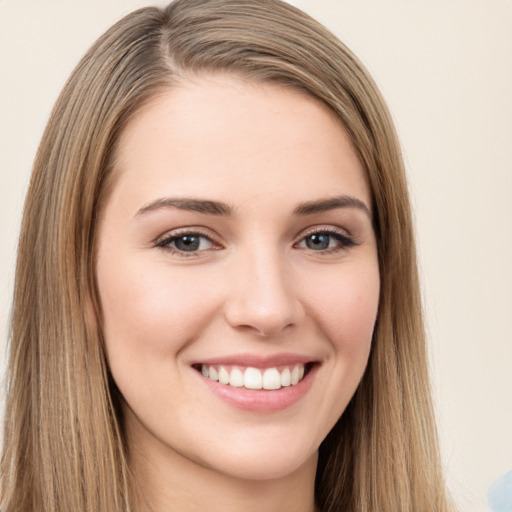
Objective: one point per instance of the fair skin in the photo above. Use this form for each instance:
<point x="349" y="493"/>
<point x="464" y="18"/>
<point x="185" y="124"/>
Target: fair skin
<point x="238" y="236"/>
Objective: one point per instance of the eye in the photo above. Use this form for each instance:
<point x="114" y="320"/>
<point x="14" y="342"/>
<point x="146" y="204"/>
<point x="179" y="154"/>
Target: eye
<point x="325" y="241"/>
<point x="186" y="243"/>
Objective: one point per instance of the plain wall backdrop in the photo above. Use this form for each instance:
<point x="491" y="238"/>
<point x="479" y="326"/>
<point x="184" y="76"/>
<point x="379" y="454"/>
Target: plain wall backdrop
<point x="445" y="68"/>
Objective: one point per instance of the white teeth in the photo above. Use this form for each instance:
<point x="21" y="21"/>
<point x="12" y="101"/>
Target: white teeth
<point x="236" y="378"/>
<point x="212" y="373"/>
<point x="271" y="379"/>
<point x="223" y="375"/>
<point x="294" y="377"/>
<point x="253" y="378"/>
<point x="286" y="377"/>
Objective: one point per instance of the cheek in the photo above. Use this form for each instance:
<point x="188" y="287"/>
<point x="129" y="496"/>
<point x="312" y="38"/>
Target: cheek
<point x="346" y="308"/>
<point x="150" y="309"/>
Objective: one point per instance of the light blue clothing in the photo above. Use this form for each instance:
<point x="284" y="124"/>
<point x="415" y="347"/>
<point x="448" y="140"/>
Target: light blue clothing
<point x="499" y="495"/>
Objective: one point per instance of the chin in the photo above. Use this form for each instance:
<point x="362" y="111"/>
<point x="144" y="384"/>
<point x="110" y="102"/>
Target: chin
<point x="265" y="463"/>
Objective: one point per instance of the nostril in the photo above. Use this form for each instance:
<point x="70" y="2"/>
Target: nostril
<point x="264" y="305"/>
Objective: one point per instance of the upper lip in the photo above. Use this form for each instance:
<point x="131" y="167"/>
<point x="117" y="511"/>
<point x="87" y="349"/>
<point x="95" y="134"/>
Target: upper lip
<point x="258" y="361"/>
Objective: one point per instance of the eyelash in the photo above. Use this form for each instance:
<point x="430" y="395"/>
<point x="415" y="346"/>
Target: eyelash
<point x="165" y="242"/>
<point x="344" y="241"/>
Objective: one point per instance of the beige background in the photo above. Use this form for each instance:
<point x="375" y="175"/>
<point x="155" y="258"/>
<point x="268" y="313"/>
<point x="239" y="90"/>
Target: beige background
<point x="445" y="67"/>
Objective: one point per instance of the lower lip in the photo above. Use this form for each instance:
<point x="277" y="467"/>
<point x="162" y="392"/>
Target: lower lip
<point x="260" y="400"/>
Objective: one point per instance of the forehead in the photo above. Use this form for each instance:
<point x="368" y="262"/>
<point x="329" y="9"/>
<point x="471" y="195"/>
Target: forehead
<point x="230" y="140"/>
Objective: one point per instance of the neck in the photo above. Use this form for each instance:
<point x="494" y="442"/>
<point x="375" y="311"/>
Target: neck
<point x="165" y="481"/>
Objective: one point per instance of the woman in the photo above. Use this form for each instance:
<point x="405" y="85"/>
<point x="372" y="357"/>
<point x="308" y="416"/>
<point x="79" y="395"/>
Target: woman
<point x="216" y="300"/>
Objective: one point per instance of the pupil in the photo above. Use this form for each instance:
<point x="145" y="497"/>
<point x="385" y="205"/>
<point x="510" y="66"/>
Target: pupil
<point x="317" y="241"/>
<point x="187" y="243"/>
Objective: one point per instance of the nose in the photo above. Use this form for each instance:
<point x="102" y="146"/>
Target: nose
<point x="263" y="296"/>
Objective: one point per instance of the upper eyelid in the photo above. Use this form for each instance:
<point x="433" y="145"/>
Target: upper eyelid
<point x="323" y="228"/>
<point x="166" y="241"/>
<point x="192" y="230"/>
<point x="343" y="236"/>
<point x="207" y="233"/>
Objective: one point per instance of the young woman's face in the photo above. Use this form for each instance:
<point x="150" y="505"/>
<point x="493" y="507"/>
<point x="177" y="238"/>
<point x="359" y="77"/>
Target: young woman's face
<point x="238" y="277"/>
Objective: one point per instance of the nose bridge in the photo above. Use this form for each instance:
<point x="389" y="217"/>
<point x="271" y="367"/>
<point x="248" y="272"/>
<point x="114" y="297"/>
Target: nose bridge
<point x="263" y="296"/>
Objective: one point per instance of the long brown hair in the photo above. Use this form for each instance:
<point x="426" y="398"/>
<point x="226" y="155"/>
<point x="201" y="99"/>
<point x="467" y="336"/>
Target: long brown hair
<point x="64" y="448"/>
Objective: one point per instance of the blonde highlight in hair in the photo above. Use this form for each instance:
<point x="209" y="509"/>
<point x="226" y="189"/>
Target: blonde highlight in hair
<point x="64" y="446"/>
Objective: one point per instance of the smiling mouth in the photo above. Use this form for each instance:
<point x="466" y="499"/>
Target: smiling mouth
<point x="253" y="378"/>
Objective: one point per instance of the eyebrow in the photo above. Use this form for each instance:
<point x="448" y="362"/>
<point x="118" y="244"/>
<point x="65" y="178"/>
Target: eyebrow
<point x="188" y="204"/>
<point x="218" y="208"/>
<point x="324" y="205"/>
